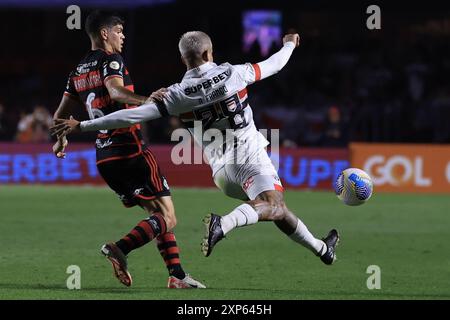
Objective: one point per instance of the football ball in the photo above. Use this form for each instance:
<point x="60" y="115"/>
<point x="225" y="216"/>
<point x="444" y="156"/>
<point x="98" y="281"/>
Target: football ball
<point x="353" y="186"/>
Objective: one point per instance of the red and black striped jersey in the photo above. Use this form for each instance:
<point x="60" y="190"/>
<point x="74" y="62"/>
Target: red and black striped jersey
<point x="87" y="82"/>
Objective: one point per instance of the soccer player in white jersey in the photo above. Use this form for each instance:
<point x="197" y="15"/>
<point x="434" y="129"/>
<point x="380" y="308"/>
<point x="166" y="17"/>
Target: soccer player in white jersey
<point x="216" y="96"/>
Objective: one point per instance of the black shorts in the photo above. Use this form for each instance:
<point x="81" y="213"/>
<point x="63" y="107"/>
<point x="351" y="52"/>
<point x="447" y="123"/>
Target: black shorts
<point x="136" y="178"/>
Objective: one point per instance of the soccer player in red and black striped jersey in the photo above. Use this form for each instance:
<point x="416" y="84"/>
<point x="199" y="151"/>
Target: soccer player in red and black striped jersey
<point x="102" y="83"/>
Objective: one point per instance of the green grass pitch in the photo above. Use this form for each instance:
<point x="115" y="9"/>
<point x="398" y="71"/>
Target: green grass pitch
<point x="44" y="229"/>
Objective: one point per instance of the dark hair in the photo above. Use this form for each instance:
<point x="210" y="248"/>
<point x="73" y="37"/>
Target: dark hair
<point x="97" y="20"/>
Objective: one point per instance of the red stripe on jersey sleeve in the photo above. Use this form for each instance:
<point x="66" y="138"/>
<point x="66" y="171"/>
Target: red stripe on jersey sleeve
<point x="242" y="93"/>
<point x="278" y="187"/>
<point x="112" y="76"/>
<point x="257" y="71"/>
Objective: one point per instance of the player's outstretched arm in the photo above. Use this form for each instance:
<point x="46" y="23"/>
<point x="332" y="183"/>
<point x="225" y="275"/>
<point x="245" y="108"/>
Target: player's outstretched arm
<point x="278" y="60"/>
<point x="119" y="119"/>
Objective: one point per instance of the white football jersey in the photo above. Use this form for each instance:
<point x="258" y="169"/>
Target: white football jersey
<point x="216" y="97"/>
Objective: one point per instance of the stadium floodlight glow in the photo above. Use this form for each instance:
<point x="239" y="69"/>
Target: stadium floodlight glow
<point x="262" y="27"/>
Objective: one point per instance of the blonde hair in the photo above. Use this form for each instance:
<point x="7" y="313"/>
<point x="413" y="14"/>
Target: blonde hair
<point x="192" y="44"/>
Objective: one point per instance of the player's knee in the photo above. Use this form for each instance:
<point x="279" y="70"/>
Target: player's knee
<point x="171" y="219"/>
<point x="278" y="210"/>
<point x="280" y="214"/>
<point x="174" y="221"/>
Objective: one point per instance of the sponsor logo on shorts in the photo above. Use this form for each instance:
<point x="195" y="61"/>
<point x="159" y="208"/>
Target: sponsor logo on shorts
<point x="103" y="144"/>
<point x="138" y="191"/>
<point x="248" y="184"/>
<point x="166" y="185"/>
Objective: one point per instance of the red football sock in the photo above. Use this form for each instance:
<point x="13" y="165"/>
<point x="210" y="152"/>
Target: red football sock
<point x="167" y="245"/>
<point x="143" y="233"/>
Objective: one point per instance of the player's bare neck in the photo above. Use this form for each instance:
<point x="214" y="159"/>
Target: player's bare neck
<point x="102" y="46"/>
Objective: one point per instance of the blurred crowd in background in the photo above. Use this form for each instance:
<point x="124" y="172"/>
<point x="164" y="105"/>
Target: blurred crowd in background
<point x="344" y="83"/>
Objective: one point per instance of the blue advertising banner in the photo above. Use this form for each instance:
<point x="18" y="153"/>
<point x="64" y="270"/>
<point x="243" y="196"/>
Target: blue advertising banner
<point x="305" y="168"/>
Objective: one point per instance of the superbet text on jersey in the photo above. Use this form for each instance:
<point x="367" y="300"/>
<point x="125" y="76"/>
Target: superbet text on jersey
<point x="216" y="96"/>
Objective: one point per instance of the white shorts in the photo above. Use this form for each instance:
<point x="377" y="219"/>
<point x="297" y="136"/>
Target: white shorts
<point x="247" y="181"/>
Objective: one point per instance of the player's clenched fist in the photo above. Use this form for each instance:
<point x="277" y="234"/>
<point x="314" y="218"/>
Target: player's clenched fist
<point x="294" y="37"/>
